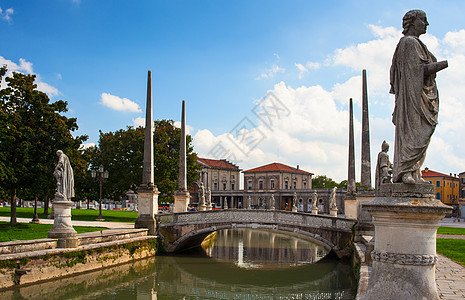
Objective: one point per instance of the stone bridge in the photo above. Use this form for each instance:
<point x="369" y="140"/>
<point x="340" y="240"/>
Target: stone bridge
<point x="184" y="230"/>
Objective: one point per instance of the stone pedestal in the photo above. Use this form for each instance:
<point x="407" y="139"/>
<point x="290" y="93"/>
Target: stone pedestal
<point x="62" y="228"/>
<point x="314" y="210"/>
<point x="294" y="208"/>
<point x="148" y="207"/>
<point x="333" y="212"/>
<point x="351" y="207"/>
<point x="181" y="201"/>
<point x="406" y="217"/>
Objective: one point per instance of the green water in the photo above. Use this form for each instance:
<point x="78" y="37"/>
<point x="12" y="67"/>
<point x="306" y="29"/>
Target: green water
<point x="241" y="264"/>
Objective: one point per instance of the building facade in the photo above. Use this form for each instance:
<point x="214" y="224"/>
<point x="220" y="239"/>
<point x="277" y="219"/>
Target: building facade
<point x="283" y="183"/>
<point x="223" y="178"/>
<point x="447" y="186"/>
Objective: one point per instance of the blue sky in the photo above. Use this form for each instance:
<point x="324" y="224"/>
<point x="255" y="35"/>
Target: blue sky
<point x="224" y="56"/>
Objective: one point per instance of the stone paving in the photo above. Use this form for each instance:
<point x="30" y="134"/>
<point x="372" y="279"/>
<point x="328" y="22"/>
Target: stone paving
<point x="450" y="279"/>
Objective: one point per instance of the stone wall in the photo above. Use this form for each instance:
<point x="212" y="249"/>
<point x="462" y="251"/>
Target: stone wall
<point x="34" y="266"/>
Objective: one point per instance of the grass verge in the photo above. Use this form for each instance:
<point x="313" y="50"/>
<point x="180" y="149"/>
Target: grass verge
<point x="76" y="214"/>
<point x="28" y="231"/>
<point x="452" y="248"/>
<point x="451" y="230"/>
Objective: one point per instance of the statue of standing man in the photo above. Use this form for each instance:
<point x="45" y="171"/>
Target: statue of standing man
<point x="65" y="178"/>
<point x="413" y="73"/>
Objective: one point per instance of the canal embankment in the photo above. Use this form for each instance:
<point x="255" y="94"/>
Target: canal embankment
<point x="27" y="262"/>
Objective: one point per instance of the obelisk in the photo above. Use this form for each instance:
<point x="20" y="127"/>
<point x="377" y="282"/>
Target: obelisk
<point x="365" y="175"/>
<point x="182" y="196"/>
<point x="351" y="165"/>
<point x="148" y="192"/>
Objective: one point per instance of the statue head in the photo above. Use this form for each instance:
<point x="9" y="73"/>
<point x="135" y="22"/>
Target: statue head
<point x="59" y="153"/>
<point x="414" y="22"/>
<point x="385" y="147"/>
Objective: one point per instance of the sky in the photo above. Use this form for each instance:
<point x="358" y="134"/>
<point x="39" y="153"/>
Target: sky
<point x="264" y="81"/>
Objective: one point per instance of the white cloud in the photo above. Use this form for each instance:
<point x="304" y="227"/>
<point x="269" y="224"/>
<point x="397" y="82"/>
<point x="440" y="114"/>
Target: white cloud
<point x="26" y="67"/>
<point x="313" y="65"/>
<point x="120" y="104"/>
<point x="315" y="134"/>
<point x="6" y="15"/>
<point x="87" y="145"/>
<point x="189" y="129"/>
<point x="269" y="73"/>
<point x="302" y="69"/>
<point x="139" y="122"/>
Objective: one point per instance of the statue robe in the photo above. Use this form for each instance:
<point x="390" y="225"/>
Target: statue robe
<point x="65" y="177"/>
<point x="416" y="107"/>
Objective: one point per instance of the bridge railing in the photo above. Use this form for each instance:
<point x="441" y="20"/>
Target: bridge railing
<point x="254" y="216"/>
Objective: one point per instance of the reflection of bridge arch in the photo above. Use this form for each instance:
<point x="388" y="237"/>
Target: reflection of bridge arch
<point x="184" y="230"/>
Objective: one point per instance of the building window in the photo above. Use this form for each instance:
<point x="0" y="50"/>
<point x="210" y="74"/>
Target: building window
<point x="232" y="176"/>
<point x="295" y="185"/>
<point x="305" y="185"/>
<point x="232" y="186"/>
<point x="249" y="185"/>
<point x="438" y="183"/>
<point x="224" y="186"/>
<point x="286" y="185"/>
<point x="215" y="186"/>
<point x="272" y="183"/>
<point x="260" y="185"/>
<point x="438" y="196"/>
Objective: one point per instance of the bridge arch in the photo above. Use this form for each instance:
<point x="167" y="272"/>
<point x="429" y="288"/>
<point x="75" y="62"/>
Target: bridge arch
<point x="183" y="230"/>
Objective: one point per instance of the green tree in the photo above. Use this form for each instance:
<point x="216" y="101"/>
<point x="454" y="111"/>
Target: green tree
<point x="121" y="154"/>
<point x="31" y="131"/>
<point x="322" y="181"/>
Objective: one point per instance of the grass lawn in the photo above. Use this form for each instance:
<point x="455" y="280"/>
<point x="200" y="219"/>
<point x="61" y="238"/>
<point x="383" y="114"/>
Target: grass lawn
<point x="28" y="231"/>
<point x="451" y="230"/>
<point x="452" y="248"/>
<point x="76" y="214"/>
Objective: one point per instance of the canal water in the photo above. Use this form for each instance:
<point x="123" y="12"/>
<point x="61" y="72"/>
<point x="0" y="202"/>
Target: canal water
<point x="233" y="264"/>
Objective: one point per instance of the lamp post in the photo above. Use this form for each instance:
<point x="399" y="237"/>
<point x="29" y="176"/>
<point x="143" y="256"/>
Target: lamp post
<point x="102" y="176"/>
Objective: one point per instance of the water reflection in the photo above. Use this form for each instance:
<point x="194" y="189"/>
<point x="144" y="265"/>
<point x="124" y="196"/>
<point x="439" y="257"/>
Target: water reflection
<point x="198" y="276"/>
<point x="249" y="248"/>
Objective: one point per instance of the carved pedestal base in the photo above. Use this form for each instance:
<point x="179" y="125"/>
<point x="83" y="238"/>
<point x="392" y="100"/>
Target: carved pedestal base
<point x="404" y="257"/>
<point x="181" y="201"/>
<point x="294" y="208"/>
<point x="202" y="208"/>
<point x="209" y="207"/>
<point x="333" y="212"/>
<point x="314" y="210"/>
<point x="62" y="228"/>
<point x="148" y="207"/>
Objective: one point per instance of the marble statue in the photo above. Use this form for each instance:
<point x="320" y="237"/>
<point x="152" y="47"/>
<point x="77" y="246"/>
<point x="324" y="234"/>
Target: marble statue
<point x="412" y="76"/>
<point x="65" y="178"/>
<point x="383" y="166"/>
<point x="249" y="203"/>
<point x="272" y="204"/>
<point x="315" y="199"/>
<point x="332" y="199"/>
<point x="209" y="197"/>
<point x="201" y="195"/>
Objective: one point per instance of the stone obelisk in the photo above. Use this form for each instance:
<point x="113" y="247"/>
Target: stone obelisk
<point x="351" y="165"/>
<point x="365" y="175"/>
<point x="182" y="196"/>
<point x="148" y="192"/>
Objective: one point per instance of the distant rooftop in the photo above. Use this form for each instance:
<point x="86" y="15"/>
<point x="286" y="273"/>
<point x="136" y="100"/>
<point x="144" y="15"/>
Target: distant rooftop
<point x="430" y="173"/>
<point x="277" y="167"/>
<point x="218" y="163"/>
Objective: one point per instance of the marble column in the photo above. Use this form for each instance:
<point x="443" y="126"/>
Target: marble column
<point x="182" y="196"/>
<point x="147" y="191"/>
<point x="365" y="178"/>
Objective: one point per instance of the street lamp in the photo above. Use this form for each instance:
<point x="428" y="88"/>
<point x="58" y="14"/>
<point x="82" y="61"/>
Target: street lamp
<point x="102" y="176"/>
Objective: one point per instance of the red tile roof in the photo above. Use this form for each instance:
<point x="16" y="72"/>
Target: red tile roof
<point x="215" y="163"/>
<point x="430" y="173"/>
<point x="277" y="167"/>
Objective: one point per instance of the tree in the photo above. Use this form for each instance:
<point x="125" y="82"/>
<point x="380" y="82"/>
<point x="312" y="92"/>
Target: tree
<point x="31" y="131"/>
<point x="121" y="154"/>
<point x="322" y="181"/>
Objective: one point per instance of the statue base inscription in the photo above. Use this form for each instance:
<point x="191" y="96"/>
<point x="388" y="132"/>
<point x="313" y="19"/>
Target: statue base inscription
<point x="148" y="207"/>
<point x="62" y="228"/>
<point x="181" y="201"/>
<point x="406" y="218"/>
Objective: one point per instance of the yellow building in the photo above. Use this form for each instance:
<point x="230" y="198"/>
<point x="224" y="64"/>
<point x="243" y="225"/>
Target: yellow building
<point x="447" y="186"/>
